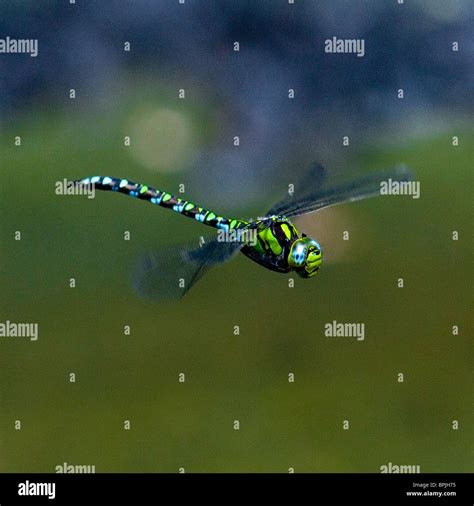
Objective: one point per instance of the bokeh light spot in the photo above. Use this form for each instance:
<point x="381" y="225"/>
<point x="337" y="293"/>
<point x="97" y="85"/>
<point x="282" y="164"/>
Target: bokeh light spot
<point x="161" y="139"/>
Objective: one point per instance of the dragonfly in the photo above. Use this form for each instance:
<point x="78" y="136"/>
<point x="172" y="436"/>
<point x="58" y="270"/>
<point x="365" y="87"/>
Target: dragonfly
<point x="170" y="272"/>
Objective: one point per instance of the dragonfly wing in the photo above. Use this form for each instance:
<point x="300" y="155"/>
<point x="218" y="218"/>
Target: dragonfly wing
<point x="362" y="188"/>
<point x="313" y="180"/>
<point x="170" y="272"/>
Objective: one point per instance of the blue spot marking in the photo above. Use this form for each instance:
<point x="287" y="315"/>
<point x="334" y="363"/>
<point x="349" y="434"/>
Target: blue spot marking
<point x="156" y="200"/>
<point x="315" y="243"/>
<point x="133" y="194"/>
<point x="299" y="254"/>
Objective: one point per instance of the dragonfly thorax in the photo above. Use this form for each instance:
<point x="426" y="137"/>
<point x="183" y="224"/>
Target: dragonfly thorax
<point x="280" y="247"/>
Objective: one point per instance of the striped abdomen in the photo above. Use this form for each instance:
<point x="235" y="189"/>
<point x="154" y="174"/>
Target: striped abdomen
<point x="163" y="199"/>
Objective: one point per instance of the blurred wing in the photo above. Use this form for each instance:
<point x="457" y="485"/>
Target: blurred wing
<point x="169" y="273"/>
<point x="312" y="181"/>
<point x="359" y="189"/>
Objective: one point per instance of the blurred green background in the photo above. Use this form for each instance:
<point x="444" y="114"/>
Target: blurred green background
<point x="135" y="377"/>
<point x="231" y="377"/>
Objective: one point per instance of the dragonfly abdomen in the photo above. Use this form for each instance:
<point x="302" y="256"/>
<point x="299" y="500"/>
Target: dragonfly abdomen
<point x="163" y="199"/>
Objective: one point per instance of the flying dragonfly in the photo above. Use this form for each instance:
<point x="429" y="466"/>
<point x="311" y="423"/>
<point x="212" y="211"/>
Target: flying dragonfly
<point x="279" y="245"/>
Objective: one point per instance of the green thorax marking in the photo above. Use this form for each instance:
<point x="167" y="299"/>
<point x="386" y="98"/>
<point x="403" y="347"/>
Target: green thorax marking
<point x="274" y="237"/>
<point x="274" y="240"/>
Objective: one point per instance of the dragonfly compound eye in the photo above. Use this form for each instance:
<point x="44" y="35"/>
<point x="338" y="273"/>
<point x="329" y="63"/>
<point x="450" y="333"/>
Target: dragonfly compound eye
<point x="298" y="252"/>
<point x="305" y="257"/>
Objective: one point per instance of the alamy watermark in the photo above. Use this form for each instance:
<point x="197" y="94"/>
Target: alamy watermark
<point x="32" y="488"/>
<point x="337" y="329"/>
<point x="241" y="235"/>
<point x="66" y="468"/>
<point x="345" y="46"/>
<point x="399" y="468"/>
<point x="393" y="187"/>
<point x="66" y="187"/>
<point x="9" y="45"/>
<point x="12" y="329"/>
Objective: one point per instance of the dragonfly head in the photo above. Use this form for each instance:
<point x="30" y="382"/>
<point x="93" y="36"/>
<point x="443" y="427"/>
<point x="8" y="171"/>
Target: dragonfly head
<point x="305" y="257"/>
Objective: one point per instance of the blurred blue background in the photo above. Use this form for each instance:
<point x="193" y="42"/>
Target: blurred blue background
<point x="190" y="141"/>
